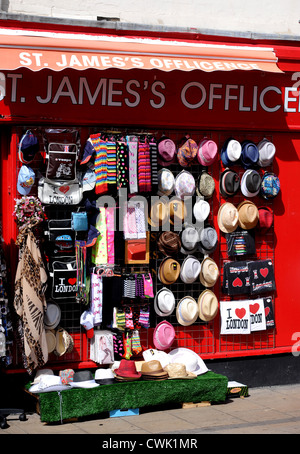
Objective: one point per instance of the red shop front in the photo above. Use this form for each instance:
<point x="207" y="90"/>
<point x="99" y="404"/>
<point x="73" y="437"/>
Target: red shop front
<point x="173" y="86"/>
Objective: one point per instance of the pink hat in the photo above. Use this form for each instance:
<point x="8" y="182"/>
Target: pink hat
<point x="207" y="152"/>
<point x="163" y="335"/>
<point x="166" y="152"/>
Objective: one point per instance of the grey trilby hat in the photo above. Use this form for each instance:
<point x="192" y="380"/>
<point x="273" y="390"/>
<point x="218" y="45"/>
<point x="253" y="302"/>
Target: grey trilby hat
<point x="189" y="240"/>
<point x="208" y="240"/>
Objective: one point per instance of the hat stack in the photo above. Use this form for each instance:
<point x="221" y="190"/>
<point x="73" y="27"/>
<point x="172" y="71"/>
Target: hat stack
<point x="169" y="243"/>
<point x="208" y="240"/>
<point x="152" y="370"/>
<point x="231" y="152"/>
<point x="205" y="185"/>
<point x="249" y="155"/>
<point x="189" y="240"/>
<point x="251" y="183"/>
<point x="229" y="183"/>
<point x="169" y="271"/>
<point x="184" y="184"/>
<point x="127" y="371"/>
<point x="270" y="186"/>
<point x="248" y="215"/>
<point x="166" y="151"/>
<point x="209" y="273"/>
<point x="190" y="269"/>
<point x="266" y="150"/>
<point x="163" y="335"/>
<point x="166" y="182"/>
<point x="164" y="302"/>
<point x="187" y="153"/>
<point x="201" y="210"/>
<point x="207" y="152"/>
<point x="207" y="305"/>
<point x="228" y="217"/>
<point x="187" y="311"/>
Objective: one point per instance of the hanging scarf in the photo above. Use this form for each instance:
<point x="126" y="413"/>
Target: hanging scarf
<point x="30" y="303"/>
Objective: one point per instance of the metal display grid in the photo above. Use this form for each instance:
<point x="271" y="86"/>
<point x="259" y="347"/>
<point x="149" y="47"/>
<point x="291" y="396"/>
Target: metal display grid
<point x="203" y="338"/>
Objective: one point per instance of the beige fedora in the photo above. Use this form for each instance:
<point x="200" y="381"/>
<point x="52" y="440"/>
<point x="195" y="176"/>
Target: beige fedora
<point x="51" y="340"/>
<point x="248" y="215"/>
<point x="187" y="311"/>
<point x="169" y="271"/>
<point x="177" y="211"/>
<point x="158" y="213"/>
<point x="228" y="217"/>
<point x="209" y="272"/>
<point x="64" y="342"/>
<point x="208" y="305"/>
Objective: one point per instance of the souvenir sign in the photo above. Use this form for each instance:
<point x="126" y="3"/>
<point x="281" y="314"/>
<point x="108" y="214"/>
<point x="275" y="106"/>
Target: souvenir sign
<point x="261" y="274"/>
<point x="269" y="312"/>
<point x="257" y="315"/>
<point x="235" y="317"/>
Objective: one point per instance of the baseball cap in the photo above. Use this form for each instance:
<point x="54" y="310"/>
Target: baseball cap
<point x="87" y="321"/>
<point x="88" y="180"/>
<point x="26" y="179"/>
<point x="28" y="147"/>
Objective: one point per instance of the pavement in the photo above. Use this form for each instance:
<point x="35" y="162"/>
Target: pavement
<point x="267" y="410"/>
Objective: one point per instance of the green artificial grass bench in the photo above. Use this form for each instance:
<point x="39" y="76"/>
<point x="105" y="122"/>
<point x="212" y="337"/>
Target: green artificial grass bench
<point x="80" y="402"/>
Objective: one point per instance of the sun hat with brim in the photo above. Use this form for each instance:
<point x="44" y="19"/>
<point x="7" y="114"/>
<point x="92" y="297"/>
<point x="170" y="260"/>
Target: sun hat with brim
<point x="163" y="335"/>
<point x="265" y="218"/>
<point x="249" y="155"/>
<point x="205" y="185"/>
<point x="248" y="215"/>
<point x="189" y="358"/>
<point x="208" y="305"/>
<point x="189" y="240"/>
<point x="207" y="152"/>
<point x="187" y="152"/>
<point x="169" y="243"/>
<point x="158" y="213"/>
<point x="231" y="152"/>
<point x="179" y="371"/>
<point x="64" y="342"/>
<point x="185" y="185"/>
<point x="164" y="302"/>
<point x="161" y="356"/>
<point x="166" y="182"/>
<point x="51" y="340"/>
<point x="48" y="383"/>
<point x="266" y="150"/>
<point x="227" y="217"/>
<point x="229" y="183"/>
<point x="153" y="369"/>
<point x="40" y="373"/>
<point x="190" y="269"/>
<point x="177" y="210"/>
<point x="209" y="273"/>
<point x="104" y="377"/>
<point x="52" y="315"/>
<point x="251" y="183"/>
<point x="166" y="152"/>
<point x="169" y="271"/>
<point x="83" y="379"/>
<point x="208" y="240"/>
<point x="187" y="311"/>
<point x="201" y="210"/>
<point x="270" y="186"/>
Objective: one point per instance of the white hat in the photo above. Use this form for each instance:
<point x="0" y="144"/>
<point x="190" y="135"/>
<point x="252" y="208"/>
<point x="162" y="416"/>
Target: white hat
<point x="87" y="321"/>
<point x="40" y="373"/>
<point x="159" y="355"/>
<point x="190" y="359"/>
<point x="201" y="210"/>
<point x="266" y="150"/>
<point x="52" y="316"/>
<point x="104" y="376"/>
<point x="164" y="302"/>
<point x="166" y="182"/>
<point x="185" y="184"/>
<point x="48" y="383"/>
<point x="190" y="269"/>
<point x="187" y="311"/>
<point x="83" y="379"/>
<point x="51" y="340"/>
<point x="234" y="150"/>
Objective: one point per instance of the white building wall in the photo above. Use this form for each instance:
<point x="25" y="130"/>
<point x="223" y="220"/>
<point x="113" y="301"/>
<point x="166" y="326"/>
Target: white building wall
<point x="258" y="16"/>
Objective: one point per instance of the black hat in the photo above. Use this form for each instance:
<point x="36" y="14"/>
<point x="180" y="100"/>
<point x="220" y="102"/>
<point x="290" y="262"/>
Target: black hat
<point x="229" y="183"/>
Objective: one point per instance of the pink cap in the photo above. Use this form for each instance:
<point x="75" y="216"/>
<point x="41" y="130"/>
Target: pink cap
<point x="163" y="335"/>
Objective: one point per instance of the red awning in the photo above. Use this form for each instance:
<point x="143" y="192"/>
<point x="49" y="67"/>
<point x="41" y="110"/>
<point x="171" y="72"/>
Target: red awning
<point x="57" y="50"/>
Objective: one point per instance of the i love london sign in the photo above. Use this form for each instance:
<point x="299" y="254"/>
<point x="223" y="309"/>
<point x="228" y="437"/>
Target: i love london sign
<point x="242" y="317"/>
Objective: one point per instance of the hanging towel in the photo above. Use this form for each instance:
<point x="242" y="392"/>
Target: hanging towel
<point x="111" y="153"/>
<point x="144" y="167"/>
<point x="122" y="165"/>
<point x="129" y="222"/>
<point x="100" y="163"/>
<point x="96" y="300"/>
<point x="110" y="230"/>
<point x="154" y="165"/>
<point x="132" y="142"/>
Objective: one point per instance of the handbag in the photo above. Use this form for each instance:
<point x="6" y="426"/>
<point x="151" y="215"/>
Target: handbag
<point x="63" y="272"/>
<point x="59" y="194"/>
<point x="79" y="221"/>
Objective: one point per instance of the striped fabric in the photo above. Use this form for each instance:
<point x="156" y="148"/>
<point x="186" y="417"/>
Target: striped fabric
<point x="100" y="163"/>
<point x="144" y="168"/>
<point x="154" y="165"/>
<point x="111" y="152"/>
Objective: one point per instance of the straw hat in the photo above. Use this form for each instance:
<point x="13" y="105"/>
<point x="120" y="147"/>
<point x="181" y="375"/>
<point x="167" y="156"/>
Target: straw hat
<point x="169" y="271"/>
<point x="164" y="302"/>
<point x="209" y="272"/>
<point x="177" y="211"/>
<point x="248" y="215"/>
<point x="190" y="269"/>
<point x="51" y="340"/>
<point x="201" y="210"/>
<point x="64" y="342"/>
<point x="178" y="370"/>
<point x="205" y="185"/>
<point x="158" y="213"/>
<point x="228" y="217"/>
<point x="208" y="305"/>
<point x="187" y="311"/>
<point x="169" y="243"/>
<point x="152" y="370"/>
<point x="163" y="335"/>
